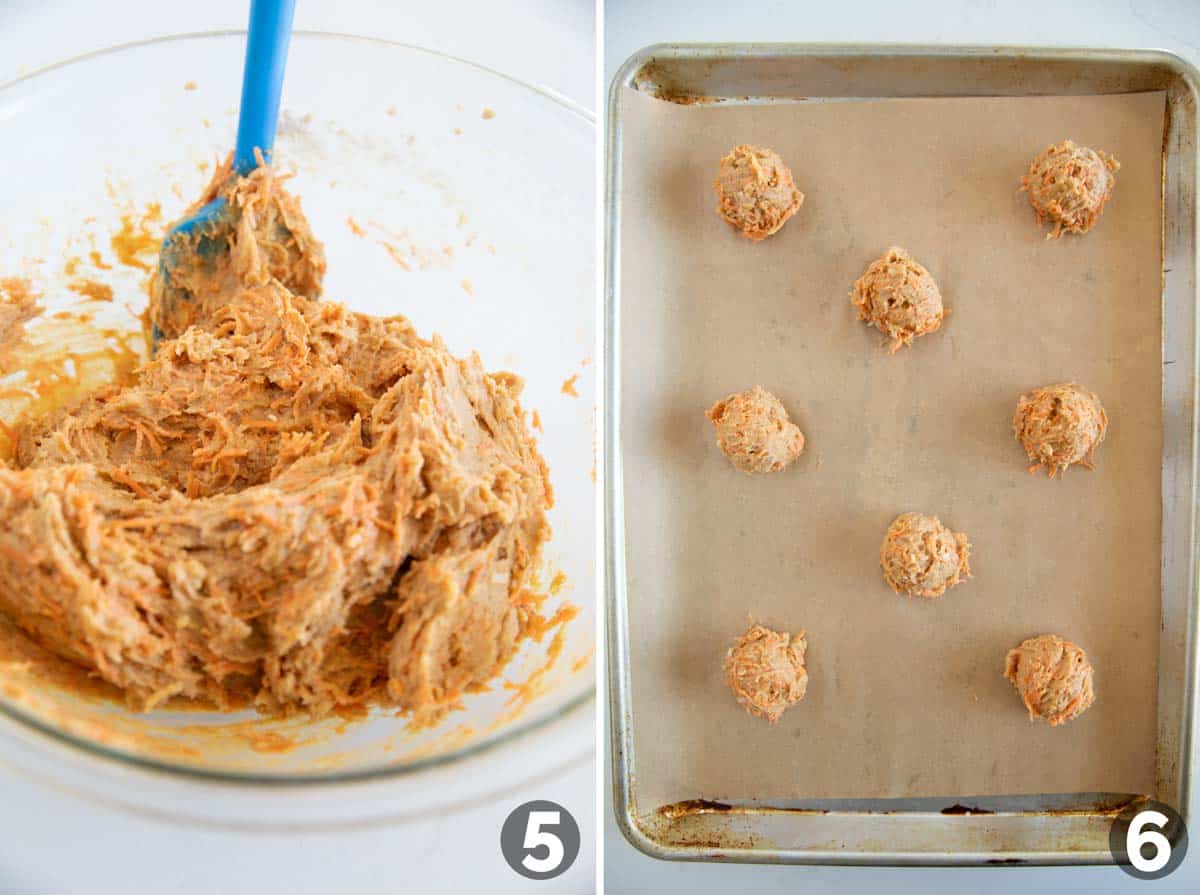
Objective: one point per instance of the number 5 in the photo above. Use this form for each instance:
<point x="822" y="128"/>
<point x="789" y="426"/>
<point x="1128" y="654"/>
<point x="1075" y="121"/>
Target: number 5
<point x="1136" y="837"/>
<point x="535" y="836"/>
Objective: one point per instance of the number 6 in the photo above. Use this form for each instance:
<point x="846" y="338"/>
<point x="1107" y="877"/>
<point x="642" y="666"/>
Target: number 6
<point x="535" y="836"/>
<point x="1136" y="837"/>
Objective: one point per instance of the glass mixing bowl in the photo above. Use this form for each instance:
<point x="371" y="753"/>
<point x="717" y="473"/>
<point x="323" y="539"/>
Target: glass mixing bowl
<point x="443" y="191"/>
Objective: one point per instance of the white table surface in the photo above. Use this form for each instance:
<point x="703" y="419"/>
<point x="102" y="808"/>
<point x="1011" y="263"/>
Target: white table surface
<point x="632" y="24"/>
<point x="52" y="842"/>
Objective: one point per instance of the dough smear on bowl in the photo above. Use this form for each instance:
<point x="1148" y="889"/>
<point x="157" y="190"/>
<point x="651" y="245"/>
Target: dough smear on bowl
<point x="754" y="432"/>
<point x="765" y="670"/>
<point x="293" y="504"/>
<point x="1060" y="425"/>
<point x="1052" y="676"/>
<point x="755" y="191"/>
<point x="899" y="298"/>
<point x="921" y="557"/>
<point x="1068" y="186"/>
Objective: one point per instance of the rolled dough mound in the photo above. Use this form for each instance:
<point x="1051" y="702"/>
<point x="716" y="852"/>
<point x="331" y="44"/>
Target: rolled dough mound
<point x="1059" y="425"/>
<point x="755" y="191"/>
<point x="898" y="297"/>
<point x="293" y="505"/>
<point x="921" y="557"/>
<point x="1068" y="186"/>
<point x="1053" y="677"/>
<point x="765" y="670"/>
<point x="754" y="432"/>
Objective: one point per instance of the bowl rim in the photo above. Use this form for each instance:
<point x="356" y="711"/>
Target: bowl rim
<point x="163" y="767"/>
<point x="541" y="89"/>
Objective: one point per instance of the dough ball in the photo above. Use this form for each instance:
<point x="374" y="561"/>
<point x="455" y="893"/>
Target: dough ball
<point x="765" y="671"/>
<point x="1053" y="677"/>
<point x="1059" y="425"/>
<point x="755" y="191"/>
<point x="898" y="297"/>
<point x="1068" y="186"/>
<point x="921" y="557"/>
<point x="754" y="432"/>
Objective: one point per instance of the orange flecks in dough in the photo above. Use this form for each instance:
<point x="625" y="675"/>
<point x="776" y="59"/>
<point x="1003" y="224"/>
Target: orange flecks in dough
<point x="367" y="631"/>
<point x="71" y="267"/>
<point x="190" y="85"/>
<point x="583" y="661"/>
<point x="568" y="386"/>
<point x="98" y="261"/>
<point x="92" y="290"/>
<point x="60" y="362"/>
<point x="754" y="431"/>
<point x="765" y="670"/>
<point x="138" y="241"/>
<point x="487" y="113"/>
<point x="391" y="110"/>
<point x="536" y="684"/>
<point x="466" y="287"/>
<point x="536" y="421"/>
<point x="396" y="254"/>
<point x="355" y="227"/>
<point x="462" y="219"/>
<point x="458" y="132"/>
<point x="557" y="583"/>
<point x="16" y="291"/>
<point x="271" y="742"/>
<point x="18" y="305"/>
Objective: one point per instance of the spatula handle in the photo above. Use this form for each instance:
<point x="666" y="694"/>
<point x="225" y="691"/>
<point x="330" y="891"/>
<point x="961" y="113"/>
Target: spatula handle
<point x="262" y="80"/>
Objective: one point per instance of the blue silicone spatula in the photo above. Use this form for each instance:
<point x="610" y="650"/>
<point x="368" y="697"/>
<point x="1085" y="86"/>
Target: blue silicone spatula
<point x="207" y="232"/>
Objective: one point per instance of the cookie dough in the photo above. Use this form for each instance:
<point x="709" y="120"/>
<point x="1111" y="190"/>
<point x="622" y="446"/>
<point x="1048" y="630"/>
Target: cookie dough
<point x="898" y="297"/>
<point x="755" y="191"/>
<point x="765" y="670"/>
<point x="921" y="557"/>
<point x="754" y="432"/>
<point x="1053" y="678"/>
<point x="294" y="505"/>
<point x="18" y="305"/>
<point x="1059" y="425"/>
<point x="1068" y="185"/>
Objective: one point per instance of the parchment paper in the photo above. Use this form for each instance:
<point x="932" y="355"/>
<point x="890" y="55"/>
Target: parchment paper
<point x="906" y="696"/>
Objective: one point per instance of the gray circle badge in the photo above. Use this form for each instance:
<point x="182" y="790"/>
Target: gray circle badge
<point x="540" y="840"/>
<point x="1148" y="840"/>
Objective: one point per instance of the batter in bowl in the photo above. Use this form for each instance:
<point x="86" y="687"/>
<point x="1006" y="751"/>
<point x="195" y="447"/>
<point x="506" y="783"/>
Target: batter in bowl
<point x="292" y="505"/>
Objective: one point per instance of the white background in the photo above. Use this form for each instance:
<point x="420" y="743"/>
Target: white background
<point x="51" y="842"/>
<point x="633" y="24"/>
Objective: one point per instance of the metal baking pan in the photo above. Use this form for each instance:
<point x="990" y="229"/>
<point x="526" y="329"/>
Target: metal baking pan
<point x="1058" y="829"/>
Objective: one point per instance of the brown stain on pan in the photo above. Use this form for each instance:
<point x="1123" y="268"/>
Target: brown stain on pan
<point x="692" y="806"/>
<point x="689" y="823"/>
<point x="957" y="809"/>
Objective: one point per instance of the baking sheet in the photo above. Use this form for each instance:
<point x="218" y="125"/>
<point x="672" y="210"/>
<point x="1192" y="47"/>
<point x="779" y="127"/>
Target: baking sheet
<point x="906" y="697"/>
